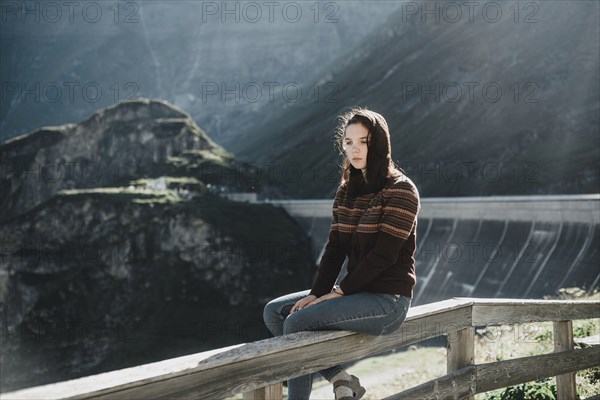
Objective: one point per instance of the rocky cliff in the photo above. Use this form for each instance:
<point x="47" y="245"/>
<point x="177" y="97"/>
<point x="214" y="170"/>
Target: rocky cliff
<point x="117" y="271"/>
<point x="130" y="140"/>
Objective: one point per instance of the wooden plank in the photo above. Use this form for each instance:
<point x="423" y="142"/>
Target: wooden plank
<point x="501" y="374"/>
<point x="172" y="374"/>
<point x="116" y="378"/>
<point x="563" y="341"/>
<point x="510" y="311"/>
<point x="457" y="385"/>
<point x="460" y="353"/>
<point x="271" y="392"/>
<point x="257" y="364"/>
<point x="460" y="349"/>
<point x="439" y="307"/>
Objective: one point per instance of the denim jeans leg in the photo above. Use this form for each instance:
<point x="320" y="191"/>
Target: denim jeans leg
<point x="363" y="312"/>
<point x="277" y="310"/>
<point x="274" y="315"/>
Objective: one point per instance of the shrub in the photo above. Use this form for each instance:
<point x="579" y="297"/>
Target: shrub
<point x="538" y="390"/>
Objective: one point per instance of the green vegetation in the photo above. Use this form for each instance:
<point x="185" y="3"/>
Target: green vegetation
<point x="585" y="329"/>
<point x="198" y="157"/>
<point x="538" y="390"/>
<point x="123" y="195"/>
<point x="168" y="179"/>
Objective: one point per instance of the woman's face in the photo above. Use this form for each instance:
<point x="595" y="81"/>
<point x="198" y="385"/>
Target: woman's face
<point x="355" y="146"/>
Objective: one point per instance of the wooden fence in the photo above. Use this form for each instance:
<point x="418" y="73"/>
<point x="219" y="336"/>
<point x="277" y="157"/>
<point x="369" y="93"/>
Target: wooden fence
<point x="258" y="368"/>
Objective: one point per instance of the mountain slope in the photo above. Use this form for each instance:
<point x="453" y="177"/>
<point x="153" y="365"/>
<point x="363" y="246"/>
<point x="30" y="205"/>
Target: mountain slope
<point x="541" y="135"/>
<point x="176" y="51"/>
<point x="133" y="139"/>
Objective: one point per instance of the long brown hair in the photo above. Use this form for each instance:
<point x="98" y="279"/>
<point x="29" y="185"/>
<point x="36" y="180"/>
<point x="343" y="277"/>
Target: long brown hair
<point x="379" y="156"/>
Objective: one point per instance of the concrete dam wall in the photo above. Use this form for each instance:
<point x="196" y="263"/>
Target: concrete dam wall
<point x="501" y="246"/>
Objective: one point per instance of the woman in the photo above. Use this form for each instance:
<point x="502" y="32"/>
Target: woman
<point x="374" y="225"/>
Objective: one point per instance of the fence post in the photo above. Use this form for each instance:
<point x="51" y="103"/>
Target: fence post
<point x="461" y="352"/>
<point x="563" y="341"/>
<point x="271" y="392"/>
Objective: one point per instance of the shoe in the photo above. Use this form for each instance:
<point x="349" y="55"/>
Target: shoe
<point x="353" y="384"/>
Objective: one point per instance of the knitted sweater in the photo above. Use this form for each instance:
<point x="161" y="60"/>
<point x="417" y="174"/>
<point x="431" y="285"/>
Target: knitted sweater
<point x="377" y="232"/>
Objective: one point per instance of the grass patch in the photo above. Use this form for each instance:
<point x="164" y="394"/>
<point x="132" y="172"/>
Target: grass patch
<point x="124" y="194"/>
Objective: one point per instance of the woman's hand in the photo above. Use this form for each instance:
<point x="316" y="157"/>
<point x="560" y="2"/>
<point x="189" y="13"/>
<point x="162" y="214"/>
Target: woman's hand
<point x="300" y="304"/>
<point x="325" y="297"/>
<point x="312" y="300"/>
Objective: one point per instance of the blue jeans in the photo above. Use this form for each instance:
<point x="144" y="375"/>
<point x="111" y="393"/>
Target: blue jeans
<point x="369" y="313"/>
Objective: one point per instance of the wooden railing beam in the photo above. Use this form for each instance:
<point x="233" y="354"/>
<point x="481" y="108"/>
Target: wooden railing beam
<point x="501" y="374"/>
<point x="513" y="311"/>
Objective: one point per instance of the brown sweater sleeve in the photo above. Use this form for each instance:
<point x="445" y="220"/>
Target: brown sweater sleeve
<point x="333" y="256"/>
<point x="399" y="217"/>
